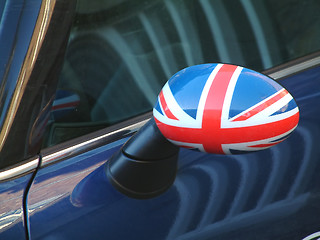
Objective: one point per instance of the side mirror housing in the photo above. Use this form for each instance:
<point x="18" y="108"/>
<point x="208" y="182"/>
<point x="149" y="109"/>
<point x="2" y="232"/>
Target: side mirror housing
<point x="225" y="109"/>
<point x="214" y="108"/>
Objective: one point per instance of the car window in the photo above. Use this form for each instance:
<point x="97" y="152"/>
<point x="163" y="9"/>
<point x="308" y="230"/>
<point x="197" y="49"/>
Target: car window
<point x="120" y="53"/>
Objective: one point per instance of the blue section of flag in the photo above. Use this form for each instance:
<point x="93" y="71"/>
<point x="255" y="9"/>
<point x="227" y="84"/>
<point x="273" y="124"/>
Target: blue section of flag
<point x="158" y="108"/>
<point x="280" y="139"/>
<point x="248" y="91"/>
<point x="291" y="105"/>
<point x="238" y="152"/>
<point x="192" y="83"/>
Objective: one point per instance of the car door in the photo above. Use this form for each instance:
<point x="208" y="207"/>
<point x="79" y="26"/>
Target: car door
<point x="119" y="54"/>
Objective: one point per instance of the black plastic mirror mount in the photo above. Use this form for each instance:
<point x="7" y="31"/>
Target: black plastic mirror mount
<point x="146" y="165"/>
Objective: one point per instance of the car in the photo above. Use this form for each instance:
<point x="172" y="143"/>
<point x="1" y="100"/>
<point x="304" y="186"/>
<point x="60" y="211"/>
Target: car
<point x="80" y="118"/>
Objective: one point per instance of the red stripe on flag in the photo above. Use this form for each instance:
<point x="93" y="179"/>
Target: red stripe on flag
<point x="265" y="145"/>
<point x="261" y="107"/>
<point x="213" y="108"/>
<point x="165" y="107"/>
<point x="209" y="138"/>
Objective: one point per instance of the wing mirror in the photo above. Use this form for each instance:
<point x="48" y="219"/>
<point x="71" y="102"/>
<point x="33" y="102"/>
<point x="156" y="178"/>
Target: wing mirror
<point x="213" y="108"/>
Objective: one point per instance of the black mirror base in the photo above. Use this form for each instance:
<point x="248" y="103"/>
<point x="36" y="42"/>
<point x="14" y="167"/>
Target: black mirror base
<point x="141" y="179"/>
<point x="146" y="166"/>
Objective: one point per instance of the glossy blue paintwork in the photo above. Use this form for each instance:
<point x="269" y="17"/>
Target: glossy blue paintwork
<point x="12" y="225"/>
<point x="75" y="188"/>
<point x="213" y="196"/>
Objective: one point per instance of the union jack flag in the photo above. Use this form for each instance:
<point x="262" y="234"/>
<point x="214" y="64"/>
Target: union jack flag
<point x="226" y="109"/>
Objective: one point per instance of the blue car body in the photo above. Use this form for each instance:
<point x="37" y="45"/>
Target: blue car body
<point x="213" y="197"/>
<point x="61" y="191"/>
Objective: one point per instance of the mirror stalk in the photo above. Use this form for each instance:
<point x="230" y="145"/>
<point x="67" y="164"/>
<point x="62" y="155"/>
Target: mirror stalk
<point x="146" y="165"/>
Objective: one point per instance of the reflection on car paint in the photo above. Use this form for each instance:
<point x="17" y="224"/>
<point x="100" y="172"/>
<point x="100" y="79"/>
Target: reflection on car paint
<point x="212" y="194"/>
<point x="249" y="193"/>
<point x="11" y="208"/>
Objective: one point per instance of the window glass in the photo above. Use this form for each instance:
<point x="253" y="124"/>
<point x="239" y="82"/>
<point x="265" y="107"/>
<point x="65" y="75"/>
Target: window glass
<point x="121" y="52"/>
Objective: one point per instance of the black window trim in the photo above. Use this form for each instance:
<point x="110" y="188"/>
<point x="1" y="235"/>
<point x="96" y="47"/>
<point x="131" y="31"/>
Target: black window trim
<point x="293" y="67"/>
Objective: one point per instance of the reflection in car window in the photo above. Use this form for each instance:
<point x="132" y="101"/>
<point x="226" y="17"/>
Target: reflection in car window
<point x="120" y="53"/>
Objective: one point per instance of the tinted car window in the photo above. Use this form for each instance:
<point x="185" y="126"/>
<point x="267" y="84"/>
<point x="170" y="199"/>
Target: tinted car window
<point x="120" y="53"/>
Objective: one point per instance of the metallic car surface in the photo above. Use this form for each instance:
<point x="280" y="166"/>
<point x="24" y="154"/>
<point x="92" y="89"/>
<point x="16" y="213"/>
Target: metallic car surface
<point x="12" y="199"/>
